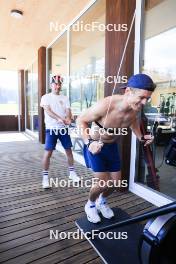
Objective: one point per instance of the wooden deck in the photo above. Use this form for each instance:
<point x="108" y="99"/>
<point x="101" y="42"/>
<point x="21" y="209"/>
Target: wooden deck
<point x="28" y="213"/>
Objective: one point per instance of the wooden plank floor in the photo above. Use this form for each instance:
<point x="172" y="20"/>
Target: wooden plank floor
<point x="28" y="213"/>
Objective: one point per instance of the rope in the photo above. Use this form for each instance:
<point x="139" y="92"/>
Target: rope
<point x="119" y="69"/>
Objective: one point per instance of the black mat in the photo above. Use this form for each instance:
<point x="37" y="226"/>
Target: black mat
<point x="114" y="251"/>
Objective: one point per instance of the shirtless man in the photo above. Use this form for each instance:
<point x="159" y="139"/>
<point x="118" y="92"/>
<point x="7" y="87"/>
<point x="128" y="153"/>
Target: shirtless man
<point x="101" y="151"/>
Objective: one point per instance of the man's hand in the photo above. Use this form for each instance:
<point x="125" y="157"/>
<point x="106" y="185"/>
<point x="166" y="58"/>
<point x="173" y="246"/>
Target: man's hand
<point x="95" y="147"/>
<point x="67" y="121"/>
<point x="147" y="139"/>
<point x="60" y="120"/>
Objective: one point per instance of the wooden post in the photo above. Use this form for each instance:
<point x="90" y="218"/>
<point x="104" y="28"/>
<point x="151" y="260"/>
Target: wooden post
<point x="120" y="12"/>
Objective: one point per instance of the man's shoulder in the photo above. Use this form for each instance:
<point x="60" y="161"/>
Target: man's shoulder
<point x="110" y="102"/>
<point x="45" y="100"/>
<point x="117" y="98"/>
<point x="46" y="96"/>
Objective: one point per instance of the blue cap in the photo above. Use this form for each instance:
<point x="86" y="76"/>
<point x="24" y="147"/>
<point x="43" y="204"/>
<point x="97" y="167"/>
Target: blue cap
<point x="141" y="81"/>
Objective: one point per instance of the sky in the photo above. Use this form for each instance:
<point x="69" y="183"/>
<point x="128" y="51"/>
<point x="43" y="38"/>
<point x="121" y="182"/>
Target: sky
<point x="160" y="53"/>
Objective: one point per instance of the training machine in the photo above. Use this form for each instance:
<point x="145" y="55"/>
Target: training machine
<point x="154" y="243"/>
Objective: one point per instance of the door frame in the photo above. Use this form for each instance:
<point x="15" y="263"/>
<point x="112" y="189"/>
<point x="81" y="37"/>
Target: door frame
<point x="139" y="189"/>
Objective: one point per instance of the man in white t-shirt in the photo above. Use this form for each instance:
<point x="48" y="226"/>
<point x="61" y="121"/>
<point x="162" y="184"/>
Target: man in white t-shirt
<point x="57" y="119"/>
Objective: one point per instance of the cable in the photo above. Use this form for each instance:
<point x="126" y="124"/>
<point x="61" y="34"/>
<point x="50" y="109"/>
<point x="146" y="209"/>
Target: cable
<point x="118" y="72"/>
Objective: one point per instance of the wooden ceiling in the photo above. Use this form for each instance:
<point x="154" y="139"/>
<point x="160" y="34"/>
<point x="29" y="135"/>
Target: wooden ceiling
<point x="21" y="38"/>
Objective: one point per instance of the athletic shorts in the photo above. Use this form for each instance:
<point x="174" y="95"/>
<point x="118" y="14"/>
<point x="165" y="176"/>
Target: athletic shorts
<point x="51" y="137"/>
<point x="107" y="159"/>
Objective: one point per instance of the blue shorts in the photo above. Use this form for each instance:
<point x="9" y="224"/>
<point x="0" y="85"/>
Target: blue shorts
<point x="107" y="159"/>
<point x="51" y="137"/>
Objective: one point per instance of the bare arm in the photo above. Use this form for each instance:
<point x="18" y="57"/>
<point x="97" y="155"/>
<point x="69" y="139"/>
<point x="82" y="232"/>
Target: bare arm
<point x="94" y="113"/>
<point x="68" y="113"/>
<point x="135" y="127"/>
<point x="51" y="113"/>
<point x="68" y="118"/>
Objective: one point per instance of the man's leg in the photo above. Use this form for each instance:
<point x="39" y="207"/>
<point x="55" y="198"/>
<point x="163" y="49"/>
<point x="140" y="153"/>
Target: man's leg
<point x="95" y="191"/>
<point x="108" y="190"/>
<point x="46" y="159"/>
<point x="45" y="164"/>
<point x="101" y="202"/>
<point x="116" y="177"/>
<point x="96" y="194"/>
<point x="67" y="145"/>
<point x="69" y="155"/>
<point x="50" y="143"/>
<point x="72" y="174"/>
<point x="99" y="188"/>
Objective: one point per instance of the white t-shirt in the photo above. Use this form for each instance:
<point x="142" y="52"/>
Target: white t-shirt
<point x="58" y="104"/>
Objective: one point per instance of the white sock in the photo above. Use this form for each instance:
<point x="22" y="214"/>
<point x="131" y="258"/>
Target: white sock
<point x="45" y="174"/>
<point x="90" y="203"/>
<point x="71" y="168"/>
<point x="101" y="199"/>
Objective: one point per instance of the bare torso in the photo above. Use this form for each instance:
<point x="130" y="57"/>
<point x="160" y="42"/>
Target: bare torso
<point x="118" y="117"/>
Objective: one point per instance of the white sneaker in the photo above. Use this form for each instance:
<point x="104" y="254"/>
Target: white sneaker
<point x="74" y="177"/>
<point x="92" y="214"/>
<point x="45" y="182"/>
<point x="105" y="210"/>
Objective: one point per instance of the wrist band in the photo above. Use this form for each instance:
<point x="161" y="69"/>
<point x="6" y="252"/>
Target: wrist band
<point x="90" y="141"/>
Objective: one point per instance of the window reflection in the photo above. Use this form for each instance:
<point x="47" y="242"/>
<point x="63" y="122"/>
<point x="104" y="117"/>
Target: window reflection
<point x="58" y="61"/>
<point x="87" y="60"/>
<point x="32" y="98"/>
<point x="8" y="93"/>
<point x="160" y="64"/>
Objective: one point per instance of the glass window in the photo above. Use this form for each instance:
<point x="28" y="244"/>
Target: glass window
<point x="57" y="58"/>
<point x="32" y="98"/>
<point x="29" y="100"/>
<point x="35" y="96"/>
<point x="8" y="93"/>
<point x="159" y="61"/>
<point x="87" y="58"/>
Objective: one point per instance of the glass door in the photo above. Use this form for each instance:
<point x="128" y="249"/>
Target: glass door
<point x="158" y="61"/>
